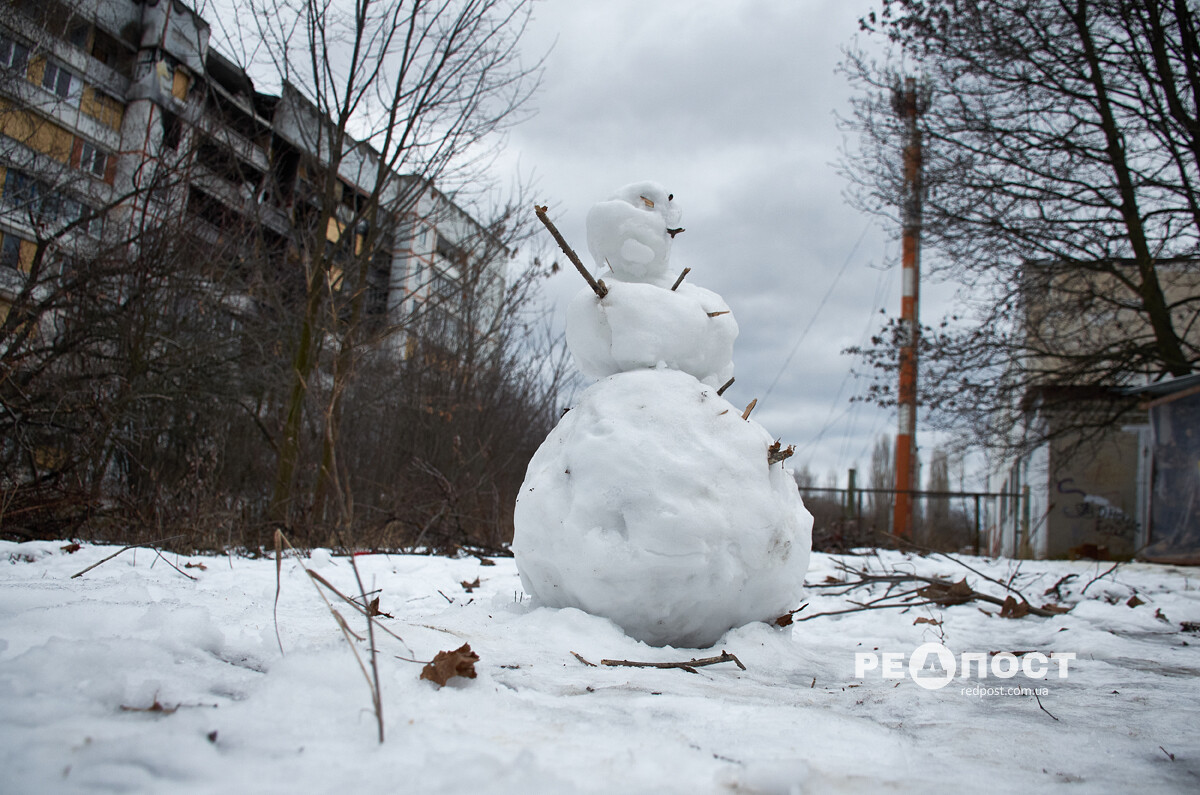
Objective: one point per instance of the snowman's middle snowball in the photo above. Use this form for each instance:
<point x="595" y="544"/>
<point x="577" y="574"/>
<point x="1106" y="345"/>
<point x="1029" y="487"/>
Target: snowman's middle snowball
<point x="652" y="504"/>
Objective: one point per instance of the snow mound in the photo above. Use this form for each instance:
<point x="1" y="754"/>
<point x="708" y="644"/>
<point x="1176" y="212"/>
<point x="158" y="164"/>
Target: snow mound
<point x="652" y="504"/>
<point x="638" y="326"/>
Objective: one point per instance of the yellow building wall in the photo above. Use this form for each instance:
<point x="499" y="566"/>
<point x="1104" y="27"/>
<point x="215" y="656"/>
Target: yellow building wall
<point x="101" y="107"/>
<point x="35" y="132"/>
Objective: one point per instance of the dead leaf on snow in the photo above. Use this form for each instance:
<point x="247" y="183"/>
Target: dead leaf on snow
<point x="785" y="620"/>
<point x="1134" y="601"/>
<point x="924" y="620"/>
<point x="470" y="587"/>
<point x="953" y="594"/>
<point x="1013" y="609"/>
<point x="448" y="664"/>
<point x="373" y="609"/>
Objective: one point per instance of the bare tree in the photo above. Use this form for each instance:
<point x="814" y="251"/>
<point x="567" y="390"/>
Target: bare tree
<point x="115" y="348"/>
<point x="1062" y="168"/>
<point x="403" y="96"/>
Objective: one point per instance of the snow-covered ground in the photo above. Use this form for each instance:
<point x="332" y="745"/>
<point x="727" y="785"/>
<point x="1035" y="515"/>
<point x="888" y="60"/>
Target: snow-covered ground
<point x="134" y="678"/>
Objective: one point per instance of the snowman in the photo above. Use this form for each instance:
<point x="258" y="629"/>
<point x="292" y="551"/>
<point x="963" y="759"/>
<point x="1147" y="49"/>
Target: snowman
<point x="655" y="502"/>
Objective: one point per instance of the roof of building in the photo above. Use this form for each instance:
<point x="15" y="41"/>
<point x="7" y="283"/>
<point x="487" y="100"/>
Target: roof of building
<point x="1166" y="391"/>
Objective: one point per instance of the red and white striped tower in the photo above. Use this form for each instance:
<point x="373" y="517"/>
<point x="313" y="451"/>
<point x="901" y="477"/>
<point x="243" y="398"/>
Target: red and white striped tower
<point x="909" y="102"/>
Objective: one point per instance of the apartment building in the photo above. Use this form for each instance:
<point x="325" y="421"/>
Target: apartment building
<point x="118" y="114"/>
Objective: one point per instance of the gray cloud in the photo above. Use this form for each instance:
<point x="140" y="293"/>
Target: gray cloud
<point x="730" y="106"/>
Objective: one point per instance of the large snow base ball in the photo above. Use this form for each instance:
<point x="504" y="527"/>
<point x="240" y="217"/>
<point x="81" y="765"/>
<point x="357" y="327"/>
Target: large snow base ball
<point x="652" y="504"/>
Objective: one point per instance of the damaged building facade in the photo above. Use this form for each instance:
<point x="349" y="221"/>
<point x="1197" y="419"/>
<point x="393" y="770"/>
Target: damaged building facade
<point x="116" y="115"/>
<point x="1097" y="486"/>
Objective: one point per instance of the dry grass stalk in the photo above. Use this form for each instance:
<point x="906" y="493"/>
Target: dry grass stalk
<point x="367" y="609"/>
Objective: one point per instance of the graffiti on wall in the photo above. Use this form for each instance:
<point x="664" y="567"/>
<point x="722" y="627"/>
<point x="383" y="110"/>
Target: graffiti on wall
<point x="1108" y="518"/>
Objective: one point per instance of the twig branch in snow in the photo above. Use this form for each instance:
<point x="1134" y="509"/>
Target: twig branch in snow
<point x="1100" y="577"/>
<point x="151" y="545"/>
<point x="1043" y="709"/>
<point x="172" y="565"/>
<point x="775" y="454"/>
<point x="597" y="287"/>
<point x="749" y="408"/>
<point x="935" y="591"/>
<point x="725" y="386"/>
<point x="1008" y="586"/>
<point x="679" y="281"/>
<point x="690" y="666"/>
<point x="585" y="662"/>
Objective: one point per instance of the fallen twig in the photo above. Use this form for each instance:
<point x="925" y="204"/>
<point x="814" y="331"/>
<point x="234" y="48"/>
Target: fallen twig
<point x="1008" y="586"/>
<point x="1055" y="589"/>
<point x="1100" y="577"/>
<point x="935" y="591"/>
<point x="151" y="545"/>
<point x="690" y="666"/>
<point x="172" y="565"/>
<point x="585" y="662"/>
<point x="597" y="287"/>
<point x="725" y="386"/>
<point x="1043" y="709"/>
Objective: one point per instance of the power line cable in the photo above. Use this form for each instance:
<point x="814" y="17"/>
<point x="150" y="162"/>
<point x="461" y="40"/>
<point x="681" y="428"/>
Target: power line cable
<point x="820" y="306"/>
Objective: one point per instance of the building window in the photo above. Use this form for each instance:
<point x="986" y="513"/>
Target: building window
<point x="91" y="223"/>
<point x="62" y="82"/>
<point x="180" y="83"/>
<point x="93" y="159"/>
<point x="38" y="202"/>
<point x="19" y="188"/>
<point x="172" y="130"/>
<point x="451" y="252"/>
<point x="10" y="252"/>
<point x="79" y="31"/>
<point x="102" y="108"/>
<point x="13" y="55"/>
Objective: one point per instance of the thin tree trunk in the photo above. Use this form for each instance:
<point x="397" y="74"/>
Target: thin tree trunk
<point x="1154" y="303"/>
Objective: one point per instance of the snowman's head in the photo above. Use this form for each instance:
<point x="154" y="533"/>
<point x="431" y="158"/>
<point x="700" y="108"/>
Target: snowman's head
<point x="631" y="232"/>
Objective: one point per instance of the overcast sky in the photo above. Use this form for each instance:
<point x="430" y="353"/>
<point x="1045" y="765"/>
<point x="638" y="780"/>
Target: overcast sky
<point x="730" y="104"/>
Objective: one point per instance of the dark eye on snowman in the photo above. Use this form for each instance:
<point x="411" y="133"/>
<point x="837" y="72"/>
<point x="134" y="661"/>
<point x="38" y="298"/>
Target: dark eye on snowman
<point x="670" y="197"/>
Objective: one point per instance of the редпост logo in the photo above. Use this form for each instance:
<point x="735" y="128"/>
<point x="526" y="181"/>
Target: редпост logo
<point x="1003" y="665"/>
